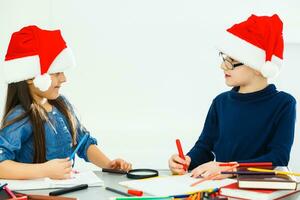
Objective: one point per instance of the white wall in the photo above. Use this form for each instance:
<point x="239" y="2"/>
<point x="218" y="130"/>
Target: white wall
<point x="148" y="70"/>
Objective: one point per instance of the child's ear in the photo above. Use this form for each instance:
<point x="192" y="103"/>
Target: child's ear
<point x="30" y="81"/>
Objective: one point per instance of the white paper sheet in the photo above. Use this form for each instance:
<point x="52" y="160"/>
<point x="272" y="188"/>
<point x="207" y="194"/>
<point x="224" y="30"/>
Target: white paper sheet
<point x="84" y="177"/>
<point x="173" y="185"/>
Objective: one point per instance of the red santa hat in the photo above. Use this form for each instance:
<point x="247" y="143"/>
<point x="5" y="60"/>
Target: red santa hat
<point x="35" y="53"/>
<point x="256" y="42"/>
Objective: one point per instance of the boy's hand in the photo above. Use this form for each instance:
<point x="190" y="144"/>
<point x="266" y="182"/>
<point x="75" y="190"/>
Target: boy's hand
<point x="209" y="168"/>
<point x="176" y="164"/>
<point x="120" y="164"/>
<point x="58" y="168"/>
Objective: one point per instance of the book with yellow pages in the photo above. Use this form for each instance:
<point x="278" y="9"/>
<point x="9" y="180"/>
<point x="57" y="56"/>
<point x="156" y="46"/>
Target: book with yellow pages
<point x="275" y="181"/>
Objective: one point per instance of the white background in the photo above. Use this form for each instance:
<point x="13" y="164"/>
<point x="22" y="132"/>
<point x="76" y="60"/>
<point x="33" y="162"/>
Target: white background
<point x="147" y="71"/>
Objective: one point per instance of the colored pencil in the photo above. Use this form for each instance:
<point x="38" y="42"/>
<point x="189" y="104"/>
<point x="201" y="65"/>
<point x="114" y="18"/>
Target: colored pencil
<point x="146" y="198"/>
<point x="2" y="186"/>
<point x="256" y="164"/>
<point x="117" y="191"/>
<point x="248" y="173"/>
<point x="274" y="171"/>
<point x="11" y="194"/>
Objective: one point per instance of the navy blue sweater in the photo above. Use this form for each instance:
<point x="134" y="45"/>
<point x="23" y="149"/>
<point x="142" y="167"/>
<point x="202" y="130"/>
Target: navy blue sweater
<point x="252" y="127"/>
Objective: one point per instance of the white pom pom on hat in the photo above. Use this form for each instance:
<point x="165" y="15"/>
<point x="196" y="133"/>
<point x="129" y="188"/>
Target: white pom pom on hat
<point x="269" y="70"/>
<point x="35" y="53"/>
<point x="256" y="42"/>
<point x="42" y="82"/>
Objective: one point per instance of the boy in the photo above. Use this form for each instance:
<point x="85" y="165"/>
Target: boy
<point x="253" y="122"/>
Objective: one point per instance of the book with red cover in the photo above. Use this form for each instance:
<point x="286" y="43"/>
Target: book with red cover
<point x="4" y="196"/>
<point x="234" y="191"/>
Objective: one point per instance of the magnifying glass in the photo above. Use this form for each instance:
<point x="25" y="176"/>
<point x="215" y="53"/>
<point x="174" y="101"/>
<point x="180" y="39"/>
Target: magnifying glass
<point x="134" y="173"/>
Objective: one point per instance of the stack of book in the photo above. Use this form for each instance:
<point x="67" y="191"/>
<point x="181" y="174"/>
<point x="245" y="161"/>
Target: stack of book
<point x="267" y="179"/>
<point x="234" y="191"/>
<point x="262" y="183"/>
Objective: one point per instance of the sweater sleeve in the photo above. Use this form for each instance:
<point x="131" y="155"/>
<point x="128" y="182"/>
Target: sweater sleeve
<point x="279" y="147"/>
<point x="13" y="136"/>
<point x="82" y="151"/>
<point x="202" y="150"/>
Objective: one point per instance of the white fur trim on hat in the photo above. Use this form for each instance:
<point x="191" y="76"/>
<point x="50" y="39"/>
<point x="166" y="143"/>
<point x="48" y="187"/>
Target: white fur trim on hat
<point x="248" y="54"/>
<point x="21" y="69"/>
<point x="63" y="61"/>
<point x="25" y="68"/>
<point x="42" y="82"/>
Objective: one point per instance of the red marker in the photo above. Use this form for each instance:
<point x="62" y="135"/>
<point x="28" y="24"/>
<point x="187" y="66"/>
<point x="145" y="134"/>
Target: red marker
<point x="180" y="152"/>
<point x="135" y="192"/>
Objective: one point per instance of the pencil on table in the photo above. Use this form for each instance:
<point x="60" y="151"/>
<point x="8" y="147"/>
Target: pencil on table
<point x="274" y="171"/>
<point x="249" y="164"/>
<point x="198" y="196"/>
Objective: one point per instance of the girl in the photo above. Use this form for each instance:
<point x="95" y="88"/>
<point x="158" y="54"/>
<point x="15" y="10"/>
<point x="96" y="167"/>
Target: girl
<point x="40" y="129"/>
<point x="253" y="122"/>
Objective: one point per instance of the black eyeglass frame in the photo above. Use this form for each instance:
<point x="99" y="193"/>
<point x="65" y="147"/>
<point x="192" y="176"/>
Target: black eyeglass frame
<point x="228" y="61"/>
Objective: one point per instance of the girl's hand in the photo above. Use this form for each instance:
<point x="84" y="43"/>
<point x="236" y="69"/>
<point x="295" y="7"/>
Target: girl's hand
<point x="120" y="164"/>
<point x="176" y="164"/>
<point x="58" y="168"/>
<point x="210" y="168"/>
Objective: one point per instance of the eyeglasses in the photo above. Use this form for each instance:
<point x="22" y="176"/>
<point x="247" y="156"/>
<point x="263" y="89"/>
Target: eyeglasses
<point x="228" y="62"/>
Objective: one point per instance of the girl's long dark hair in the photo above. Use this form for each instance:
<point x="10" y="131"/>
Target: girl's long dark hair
<point x="19" y="94"/>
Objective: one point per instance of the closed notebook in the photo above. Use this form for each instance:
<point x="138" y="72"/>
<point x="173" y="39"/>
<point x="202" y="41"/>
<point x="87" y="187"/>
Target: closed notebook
<point x="45" y="197"/>
<point x="234" y="191"/>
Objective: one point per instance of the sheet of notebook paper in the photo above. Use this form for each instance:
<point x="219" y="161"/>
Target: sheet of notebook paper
<point x="173" y="185"/>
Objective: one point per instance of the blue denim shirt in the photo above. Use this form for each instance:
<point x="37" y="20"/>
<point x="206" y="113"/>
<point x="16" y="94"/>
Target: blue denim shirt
<point x="16" y="140"/>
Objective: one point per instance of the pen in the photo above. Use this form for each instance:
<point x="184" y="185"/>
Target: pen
<point x="180" y="152"/>
<point x="78" y="146"/>
<point x="260" y="164"/>
<point x="117" y="191"/>
<point x="248" y="173"/>
<point x="68" y="190"/>
<point x="274" y="171"/>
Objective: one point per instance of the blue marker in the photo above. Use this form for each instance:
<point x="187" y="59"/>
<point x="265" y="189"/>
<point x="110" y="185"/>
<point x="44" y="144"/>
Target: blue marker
<point x="78" y="146"/>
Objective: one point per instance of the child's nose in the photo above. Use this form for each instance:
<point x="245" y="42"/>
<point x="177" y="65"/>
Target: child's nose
<point x="62" y="77"/>
<point x="224" y="67"/>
